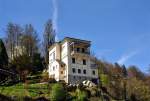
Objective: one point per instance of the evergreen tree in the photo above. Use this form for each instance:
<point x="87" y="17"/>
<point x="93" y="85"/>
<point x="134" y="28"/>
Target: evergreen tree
<point x="3" y="55"/>
<point x="124" y="71"/>
<point x="37" y="63"/>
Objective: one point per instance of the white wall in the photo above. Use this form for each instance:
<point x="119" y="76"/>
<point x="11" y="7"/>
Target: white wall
<point x="54" y="70"/>
<point x="65" y="58"/>
<point x="51" y="55"/>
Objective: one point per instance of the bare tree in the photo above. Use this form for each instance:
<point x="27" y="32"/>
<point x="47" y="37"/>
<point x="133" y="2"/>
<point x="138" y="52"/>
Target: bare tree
<point x="13" y="34"/>
<point x="49" y="38"/>
<point x="30" y="40"/>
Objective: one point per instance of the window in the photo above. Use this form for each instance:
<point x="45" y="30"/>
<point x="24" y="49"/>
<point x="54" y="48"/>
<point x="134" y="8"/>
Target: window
<point x="61" y="72"/>
<point x="53" y="55"/>
<point x="78" y="49"/>
<point x="84" y="71"/>
<point x="53" y="68"/>
<point x="79" y="71"/>
<point x="56" y="66"/>
<point x="83" y="50"/>
<point x="73" y="70"/>
<point x="93" y="72"/>
<point x="73" y="60"/>
<point x="84" y="62"/>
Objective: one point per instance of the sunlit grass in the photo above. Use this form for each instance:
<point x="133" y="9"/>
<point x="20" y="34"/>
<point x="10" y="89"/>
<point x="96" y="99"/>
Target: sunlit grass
<point x="21" y="90"/>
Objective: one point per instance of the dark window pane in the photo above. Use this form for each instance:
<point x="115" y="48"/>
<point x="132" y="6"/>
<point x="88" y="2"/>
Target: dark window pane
<point x="93" y="72"/>
<point x="78" y="49"/>
<point x="83" y="50"/>
<point x="84" y="62"/>
<point x="73" y="60"/>
<point x="84" y="71"/>
<point x="73" y="70"/>
<point x="79" y="71"/>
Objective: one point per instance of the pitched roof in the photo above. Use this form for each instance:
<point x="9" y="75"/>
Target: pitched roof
<point x="69" y="39"/>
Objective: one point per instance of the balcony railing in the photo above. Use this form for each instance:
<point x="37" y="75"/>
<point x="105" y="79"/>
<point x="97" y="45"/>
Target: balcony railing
<point x="79" y="52"/>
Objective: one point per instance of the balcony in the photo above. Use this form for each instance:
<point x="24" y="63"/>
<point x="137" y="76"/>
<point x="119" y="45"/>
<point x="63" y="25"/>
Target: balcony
<point x="80" y="53"/>
<point x="80" y="48"/>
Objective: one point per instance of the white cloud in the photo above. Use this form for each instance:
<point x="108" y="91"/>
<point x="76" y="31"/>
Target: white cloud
<point x="55" y="18"/>
<point x="126" y="57"/>
<point x="55" y="15"/>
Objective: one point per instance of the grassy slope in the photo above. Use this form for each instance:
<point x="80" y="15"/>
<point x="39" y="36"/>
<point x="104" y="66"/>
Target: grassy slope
<point x="31" y="90"/>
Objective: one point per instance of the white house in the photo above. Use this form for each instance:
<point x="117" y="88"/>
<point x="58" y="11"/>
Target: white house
<point x="70" y="60"/>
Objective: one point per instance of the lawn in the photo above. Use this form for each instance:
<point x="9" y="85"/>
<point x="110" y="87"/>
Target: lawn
<point x="30" y="90"/>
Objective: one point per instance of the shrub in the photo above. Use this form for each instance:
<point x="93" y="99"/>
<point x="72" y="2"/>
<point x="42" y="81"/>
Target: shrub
<point x="52" y="80"/>
<point x="45" y="77"/>
<point x="81" y="95"/>
<point x="57" y="93"/>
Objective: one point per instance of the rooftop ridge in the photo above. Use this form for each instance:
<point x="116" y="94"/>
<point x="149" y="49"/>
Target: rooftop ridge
<point x="76" y="39"/>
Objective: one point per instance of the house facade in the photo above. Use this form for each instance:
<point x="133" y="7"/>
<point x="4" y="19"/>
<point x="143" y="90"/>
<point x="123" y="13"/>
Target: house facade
<point x="70" y="60"/>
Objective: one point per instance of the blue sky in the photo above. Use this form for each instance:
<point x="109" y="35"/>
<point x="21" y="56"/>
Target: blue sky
<point x="119" y="29"/>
